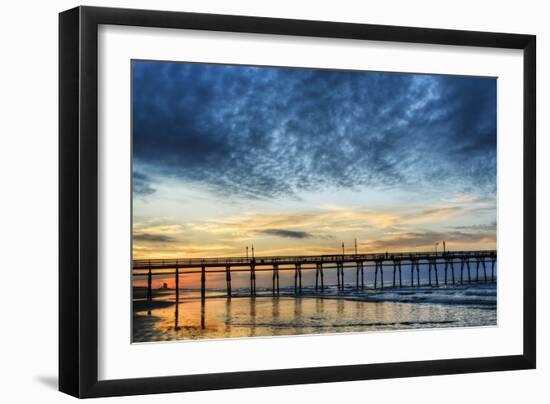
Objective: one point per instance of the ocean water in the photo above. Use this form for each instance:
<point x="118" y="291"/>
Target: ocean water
<point x="333" y="311"/>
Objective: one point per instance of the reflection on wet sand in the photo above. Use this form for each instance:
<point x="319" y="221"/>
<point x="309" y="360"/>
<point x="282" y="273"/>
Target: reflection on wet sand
<point x="227" y="320"/>
<point x="176" y="317"/>
<point x="203" y="308"/>
<point x="252" y="303"/>
<point x="194" y="318"/>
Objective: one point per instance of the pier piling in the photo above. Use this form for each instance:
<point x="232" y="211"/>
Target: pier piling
<point x="275" y="279"/>
<point x="339" y="275"/>
<point x="375" y="274"/>
<point x="149" y="285"/>
<point x="400" y="274"/>
<point x="381" y="275"/>
<point x="176" y="312"/>
<point x="453" y="272"/>
<point x="296" y="269"/>
<point x="357" y="273"/>
<point x="319" y="276"/>
<point x="252" y="279"/>
<point x="278" y="289"/>
<point x="203" y="283"/>
<point x="177" y="279"/>
<point x="299" y="278"/>
<point x="228" y="279"/>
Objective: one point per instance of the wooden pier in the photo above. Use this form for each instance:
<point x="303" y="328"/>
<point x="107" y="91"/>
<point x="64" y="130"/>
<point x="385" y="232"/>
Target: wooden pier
<point x="343" y="263"/>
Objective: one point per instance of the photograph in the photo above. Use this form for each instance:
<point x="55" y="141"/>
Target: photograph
<point x="275" y="201"/>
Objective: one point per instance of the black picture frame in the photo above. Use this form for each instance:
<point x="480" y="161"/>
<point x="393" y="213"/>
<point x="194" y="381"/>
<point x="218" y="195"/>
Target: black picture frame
<point x="78" y="201"/>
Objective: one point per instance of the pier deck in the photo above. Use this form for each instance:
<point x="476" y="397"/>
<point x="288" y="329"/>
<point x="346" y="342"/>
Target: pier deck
<point x="342" y="262"/>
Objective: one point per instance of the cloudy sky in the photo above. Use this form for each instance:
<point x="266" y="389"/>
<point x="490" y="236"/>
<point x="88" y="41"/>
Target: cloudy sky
<point x="297" y="161"/>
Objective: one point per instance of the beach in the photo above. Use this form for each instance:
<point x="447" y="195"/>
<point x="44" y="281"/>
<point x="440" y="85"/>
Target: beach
<point x="312" y="312"/>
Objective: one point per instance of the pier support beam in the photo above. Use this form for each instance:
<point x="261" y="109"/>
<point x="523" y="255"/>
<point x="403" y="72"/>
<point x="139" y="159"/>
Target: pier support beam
<point x="228" y="280"/>
<point x="445" y="269"/>
<point x="400" y="274"/>
<point x="298" y="278"/>
<point x="375" y="274"/>
<point x="492" y="269"/>
<point x="340" y="275"/>
<point x="252" y="279"/>
<point x="469" y="272"/>
<point x="177" y="311"/>
<point x="177" y="279"/>
<point x="436" y="275"/>
<point x="430" y="272"/>
<point x="379" y="266"/>
<point x="484" y="269"/>
<point x="275" y="279"/>
<point x="477" y="270"/>
<point x="453" y="272"/>
<point x="358" y="272"/>
<point x="203" y="283"/>
<point x="319" y="276"/>
<point x="413" y="264"/>
<point x="397" y="270"/>
<point x="149" y="285"/>
<point x="322" y="278"/>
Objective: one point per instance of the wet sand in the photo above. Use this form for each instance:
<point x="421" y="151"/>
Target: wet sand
<point x="265" y="315"/>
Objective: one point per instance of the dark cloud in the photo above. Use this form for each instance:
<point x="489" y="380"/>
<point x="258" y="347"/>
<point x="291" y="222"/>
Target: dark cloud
<point x="156" y="238"/>
<point x="141" y="184"/>
<point x="423" y="238"/>
<point x="479" y="227"/>
<point x="286" y="233"/>
<point x="261" y="132"/>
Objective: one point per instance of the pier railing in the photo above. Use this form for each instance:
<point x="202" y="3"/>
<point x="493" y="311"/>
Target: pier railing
<point x="303" y="259"/>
